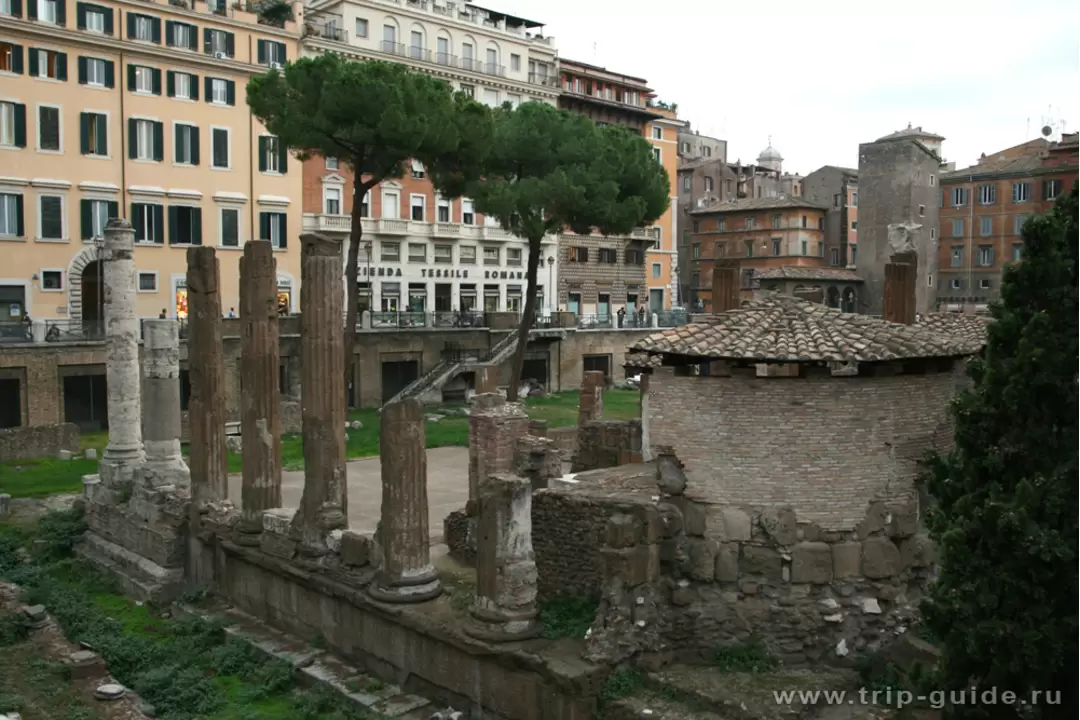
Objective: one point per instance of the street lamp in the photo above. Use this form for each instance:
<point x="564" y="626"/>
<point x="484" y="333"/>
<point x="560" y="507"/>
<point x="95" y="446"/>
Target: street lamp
<point x="551" y="286"/>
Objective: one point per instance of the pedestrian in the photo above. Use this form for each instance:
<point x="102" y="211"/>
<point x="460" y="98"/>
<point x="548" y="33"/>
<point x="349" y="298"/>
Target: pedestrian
<point x="163" y="315"/>
<point x="232" y="312"/>
<point x="622" y="315"/>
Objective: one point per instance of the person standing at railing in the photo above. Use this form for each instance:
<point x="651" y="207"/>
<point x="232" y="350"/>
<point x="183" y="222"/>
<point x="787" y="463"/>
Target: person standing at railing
<point x="622" y="316"/>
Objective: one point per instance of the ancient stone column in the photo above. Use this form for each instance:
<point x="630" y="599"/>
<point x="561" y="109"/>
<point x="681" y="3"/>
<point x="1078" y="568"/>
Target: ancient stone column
<point x="406" y="575"/>
<point x="323" y="506"/>
<point x="591" y="402"/>
<point x="899" y="300"/>
<point x="206" y="370"/>
<point x="725" y="286"/>
<point x="164" y="465"/>
<point x="505" y="605"/>
<point x="124" y="453"/>
<point x="260" y="403"/>
<point x="494" y="425"/>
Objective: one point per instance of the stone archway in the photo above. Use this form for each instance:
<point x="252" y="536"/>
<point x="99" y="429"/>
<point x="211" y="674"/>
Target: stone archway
<point x="847" y="303"/>
<point x="832" y="297"/>
<point x="87" y="255"/>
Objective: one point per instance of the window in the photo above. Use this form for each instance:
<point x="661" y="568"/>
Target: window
<point x="467" y="254"/>
<point x="144" y="79"/>
<point x="181" y="35"/>
<point x="1051" y="189"/>
<point x="656" y="154"/>
<point x="468" y="90"/>
<point x="720" y="250"/>
<point x="51" y="219"/>
<point x="804" y="246"/>
<point x="1017" y="251"/>
<point x="442" y="210"/>
<point x="1021" y="192"/>
<point x="52" y="280"/>
<point x="48" y="128"/>
<point x="417" y="252"/>
<point x="657" y="271"/>
<point x="93" y="134"/>
<point x="389" y="36"/>
<point x="686" y="180"/>
<point x="219" y="148"/>
<point x="143" y="28"/>
<point x="608" y="256"/>
<point x="513" y="257"/>
<point x="777" y="243"/>
<point x="491" y="256"/>
<point x="332" y="200"/>
<point x="854" y="224"/>
<point x="416" y="207"/>
<point x="720" y="224"/>
<point x="220" y="92"/>
<point x="695" y="251"/>
<point x="852" y="250"/>
<point x="94" y="18"/>
<point x="491" y="97"/>
<point x="146" y="140"/>
<point x="514" y="99"/>
<point x="959" y="197"/>
<point x="273" y="226"/>
<point x="804" y="221"/>
<point x="181" y="85"/>
<point x="836" y="200"/>
<point x="957" y="259"/>
<point x="922" y="210"/>
<point x="933" y="181"/>
<point x="147" y="282"/>
<point x="515" y="62"/>
<point x="749" y="246"/>
<point x="445" y="254"/>
<point x="834" y="256"/>
<point x="748" y="223"/>
<point x="11" y="58"/>
<point x="987" y="194"/>
<point x="47" y="64"/>
<point x="11" y="215"/>
<point x="657" y="133"/>
<point x="332" y="163"/>
<point x="185" y="225"/>
<point x="49" y="11"/>
<point x="361" y="28"/>
<point x="96" y="72"/>
<point x="776" y="221"/>
<point x="956" y="284"/>
<point x="984" y="284"/>
<point x="695" y="280"/>
<point x="391" y="205"/>
<point x="417" y="170"/>
<point x="986" y="226"/>
<point x="273" y="155"/>
<point x="986" y="256"/>
<point x="854" y="199"/>
<point x="271" y="53"/>
<point x="577" y="254"/>
<point x="149" y="223"/>
<point x="230" y="227"/>
<point x="958" y="227"/>
<point x="186" y="142"/>
<point x="365" y="205"/>
<point x="94" y="215"/>
<point x="1018" y="224"/>
<point x="468" y="215"/>
<point x="218" y="43"/>
<point x="634" y="256"/>
<point x="390" y="252"/>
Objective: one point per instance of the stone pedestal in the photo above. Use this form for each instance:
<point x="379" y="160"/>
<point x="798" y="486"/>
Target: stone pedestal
<point x="164" y="466"/>
<point x="260" y="404"/>
<point x="494" y="426"/>
<point x="505" y="605"/>
<point x="591" y="402"/>
<point x="206" y="370"/>
<point x="123" y="456"/>
<point x="406" y="575"/>
<point x="323" y="506"/>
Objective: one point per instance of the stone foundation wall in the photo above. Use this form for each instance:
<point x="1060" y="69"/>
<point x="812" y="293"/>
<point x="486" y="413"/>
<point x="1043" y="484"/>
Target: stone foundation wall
<point x="607" y="443"/>
<point x="565" y="439"/>
<point x="38" y="441"/>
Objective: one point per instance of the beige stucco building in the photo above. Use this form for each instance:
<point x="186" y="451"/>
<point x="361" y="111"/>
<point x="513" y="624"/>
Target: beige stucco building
<point x="136" y="109"/>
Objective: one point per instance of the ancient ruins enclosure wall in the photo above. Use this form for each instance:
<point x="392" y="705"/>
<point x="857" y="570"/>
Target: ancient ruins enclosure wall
<point x="607" y="443"/>
<point x="749" y="440"/>
<point x="38" y="441"/>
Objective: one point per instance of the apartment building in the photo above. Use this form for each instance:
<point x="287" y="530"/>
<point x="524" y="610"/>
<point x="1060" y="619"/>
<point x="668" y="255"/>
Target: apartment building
<point x="421" y="251"/>
<point x="838" y="188"/>
<point x="765" y="233"/>
<point x="136" y="109"/>
<point x="694" y="146"/>
<point x="983" y="210"/>
<point x="602" y="274"/>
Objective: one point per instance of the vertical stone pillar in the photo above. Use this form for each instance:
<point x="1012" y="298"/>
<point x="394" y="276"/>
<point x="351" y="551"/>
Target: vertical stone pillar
<point x="164" y="465"/>
<point x="124" y="453"/>
<point x="899" y="300"/>
<point x="505" y="605"/>
<point x="725" y="286"/>
<point x="487" y="379"/>
<point x="323" y="506"/>
<point x="591" y="402"/>
<point x="406" y="575"/>
<point x="260" y="410"/>
<point x="206" y="370"/>
<point x="494" y="425"/>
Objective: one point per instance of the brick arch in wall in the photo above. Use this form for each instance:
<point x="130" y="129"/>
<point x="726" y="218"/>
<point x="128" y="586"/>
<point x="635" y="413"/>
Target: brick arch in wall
<point x="84" y="257"/>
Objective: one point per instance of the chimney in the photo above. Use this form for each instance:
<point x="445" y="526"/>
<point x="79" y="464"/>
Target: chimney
<point x="725" y="285"/>
<point x="899" y="301"/>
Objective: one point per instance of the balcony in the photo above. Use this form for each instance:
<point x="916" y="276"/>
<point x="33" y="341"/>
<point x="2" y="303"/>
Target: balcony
<point x="326" y="31"/>
<point x="392" y="226"/>
<point x="327" y="223"/>
<point x="447" y="230"/>
<point x="494" y="233"/>
<point x="418" y="53"/>
<point x="392" y="48"/>
<point x="446" y="59"/>
<point x="472" y="64"/>
<point x="494" y="69"/>
<point x="544" y="79"/>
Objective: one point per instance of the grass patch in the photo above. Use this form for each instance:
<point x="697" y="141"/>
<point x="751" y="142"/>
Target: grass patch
<point x="749" y="657"/>
<point x="623" y="682"/>
<point x="568" y="616"/>
<point x="39" y="688"/>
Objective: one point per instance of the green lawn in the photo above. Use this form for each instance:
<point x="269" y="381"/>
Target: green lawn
<point x="48" y="476"/>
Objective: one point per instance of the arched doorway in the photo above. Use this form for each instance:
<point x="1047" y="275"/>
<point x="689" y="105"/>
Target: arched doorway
<point x="848" y="302"/>
<point x="89" y="306"/>
<point x="93" y="299"/>
<point x="832" y="297"/>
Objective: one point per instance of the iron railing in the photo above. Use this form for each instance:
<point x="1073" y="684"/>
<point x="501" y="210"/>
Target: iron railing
<point x="16" y="332"/>
<point x="458" y="319"/>
<point x="397" y="319"/>
<point x="672" y="318"/>
<point x="72" y="330"/>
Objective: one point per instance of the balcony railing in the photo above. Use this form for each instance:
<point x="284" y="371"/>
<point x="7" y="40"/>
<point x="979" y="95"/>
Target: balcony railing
<point x="16" y="332"/>
<point x="328" y="32"/>
<point x="393" y="226"/>
<point x="471" y="64"/>
<point x="494" y="69"/>
<point x="544" y="79"/>
<point x="397" y="320"/>
<point x="459" y="319"/>
<point x="419" y="53"/>
<point x="392" y="48"/>
<point x="446" y="59"/>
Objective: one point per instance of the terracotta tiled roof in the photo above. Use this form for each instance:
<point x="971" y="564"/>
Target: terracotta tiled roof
<point x="791" y="272"/>
<point x="641" y="360"/>
<point x="777" y="203"/>
<point x="997" y="166"/>
<point x="964" y="326"/>
<point x="778" y="328"/>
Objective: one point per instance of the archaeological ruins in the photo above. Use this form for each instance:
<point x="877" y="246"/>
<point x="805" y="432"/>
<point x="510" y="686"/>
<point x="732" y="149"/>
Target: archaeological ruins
<point x="768" y="491"/>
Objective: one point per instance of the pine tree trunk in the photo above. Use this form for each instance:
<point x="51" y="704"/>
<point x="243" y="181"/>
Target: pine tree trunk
<point x="352" y="291"/>
<point x="527" y="317"/>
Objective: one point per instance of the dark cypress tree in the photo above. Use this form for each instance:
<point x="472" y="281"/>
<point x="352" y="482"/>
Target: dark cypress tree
<point x="1005" y="603"/>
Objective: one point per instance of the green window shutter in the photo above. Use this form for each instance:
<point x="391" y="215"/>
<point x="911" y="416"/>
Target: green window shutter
<point x="61" y="12"/>
<point x="194" y="146"/>
<point x="178" y="143"/>
<point x="19" y="227"/>
<point x="155" y="33"/>
<point x="159" y="224"/>
<point x="114" y="209"/>
<point x="193" y="38"/>
<point x="169" y="32"/>
<point x="262" y="153"/>
<point x="61" y="66"/>
<point x="159" y="141"/>
<point x="194" y="84"/>
<point x="131" y="25"/>
<point x="31" y="10"/>
<point x="230" y="92"/>
<point x="170" y="83"/>
<point x="131" y="77"/>
<point x="282" y="52"/>
<point x="208" y="88"/>
<point x="206" y="40"/>
<point x="82" y="70"/>
<point x="80" y="16"/>
<point x="196" y="226"/>
<point x="156" y="81"/>
<point x="17" y="59"/>
<point x="133" y="138"/>
<point x="230" y="44"/>
<point x="283" y="157"/>
<point x="264" y="226"/>
<point x="108" y="21"/>
<point x="138" y="213"/>
<point x="102" y="134"/>
<point x="110" y="74"/>
<point x="284" y="228"/>
<point x="86" y="213"/>
<point x="33" y="62"/>
<point x="262" y="52"/>
<point x="20" y="125"/>
<point x="84" y="133"/>
<point x="173" y="224"/>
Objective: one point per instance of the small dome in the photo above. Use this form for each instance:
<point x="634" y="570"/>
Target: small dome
<point x="769" y="153"/>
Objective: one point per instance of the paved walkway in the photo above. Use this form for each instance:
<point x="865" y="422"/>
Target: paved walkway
<point x="448" y="488"/>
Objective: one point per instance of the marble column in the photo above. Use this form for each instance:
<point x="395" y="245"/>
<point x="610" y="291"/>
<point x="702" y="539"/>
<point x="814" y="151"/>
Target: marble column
<point x="165" y="466"/>
<point x="206" y="370"/>
<point x="323" y="506"/>
<point x="124" y="454"/>
<point x="591" y="401"/>
<point x="505" y="605"/>
<point x="406" y="574"/>
<point x="260" y="414"/>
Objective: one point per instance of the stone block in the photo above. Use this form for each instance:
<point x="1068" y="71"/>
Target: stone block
<point x="670" y="477"/>
<point x="278" y="520"/>
<point x="633" y="566"/>
<point x="702" y="559"/>
<point x="811" y="562"/>
<point x="694" y="516"/>
<point x="64" y="455"/>
<point x="873" y="523"/>
<point x="650" y="523"/>
<point x="811" y="532"/>
<point x="736" y="525"/>
<point x="780" y="525"/>
<point x="355" y="548"/>
<point x="621" y="531"/>
<point x="762" y="561"/>
<point x="671" y="518"/>
<point x="727" y="562"/>
<point x="277" y="545"/>
<point x="846" y="559"/>
<point x="880" y="558"/>
<point x="682" y="594"/>
<point x="904" y="522"/>
<point x="90" y="454"/>
<point x="915" y="551"/>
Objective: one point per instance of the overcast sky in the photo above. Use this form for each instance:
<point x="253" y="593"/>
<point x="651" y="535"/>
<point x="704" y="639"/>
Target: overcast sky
<point x="821" y="77"/>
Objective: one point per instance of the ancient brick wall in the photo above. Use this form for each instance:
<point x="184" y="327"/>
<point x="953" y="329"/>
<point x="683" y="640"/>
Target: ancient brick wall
<point x="825" y="445"/>
<point x="22" y="443"/>
<point x="607" y="443"/>
<point x="40" y="370"/>
<point x="565" y="439"/>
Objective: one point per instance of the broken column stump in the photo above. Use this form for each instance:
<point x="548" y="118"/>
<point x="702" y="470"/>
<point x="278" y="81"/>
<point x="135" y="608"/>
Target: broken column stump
<point x="406" y="575"/>
<point x="591" y="401"/>
<point x="164" y="466"/>
<point x="505" y="605"/>
<point x="494" y="426"/>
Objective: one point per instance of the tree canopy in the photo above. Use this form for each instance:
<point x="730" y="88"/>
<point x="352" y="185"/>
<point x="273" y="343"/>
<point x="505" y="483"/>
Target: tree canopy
<point x="1005" y="604"/>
